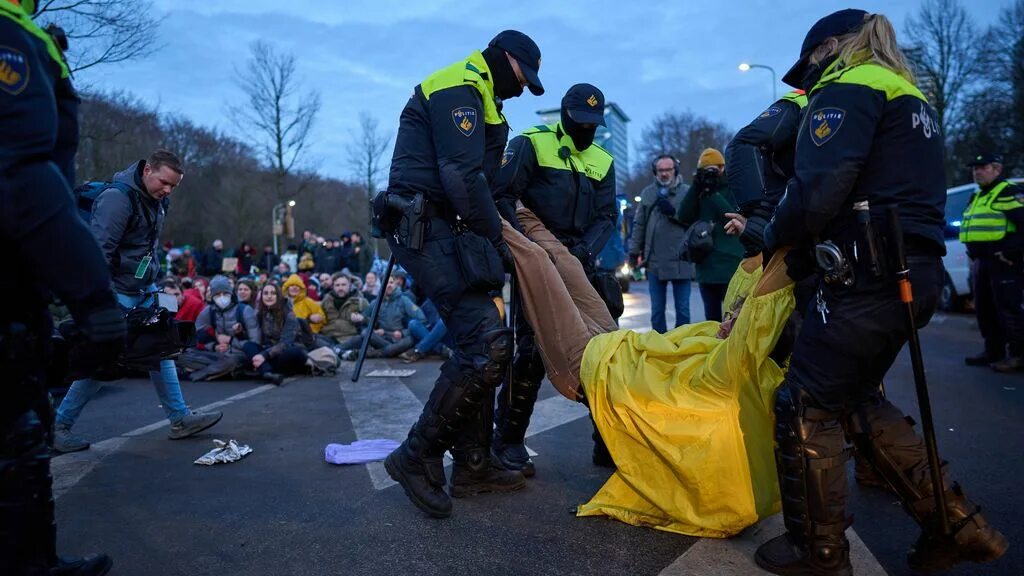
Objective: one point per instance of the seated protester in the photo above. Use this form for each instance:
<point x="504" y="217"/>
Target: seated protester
<point x="428" y="335"/>
<point x="245" y="292"/>
<point x="304" y="307"/>
<point x="343" y="306"/>
<point x="189" y="306"/>
<point x="224" y="327"/>
<point x="325" y="283"/>
<point x="278" y="352"/>
<point x="290" y="258"/>
<point x="686" y="415"/>
<point x="371" y="286"/>
<point x="283" y="270"/>
<point x="392" y="336"/>
<point x="186" y="264"/>
<point x="200" y="289"/>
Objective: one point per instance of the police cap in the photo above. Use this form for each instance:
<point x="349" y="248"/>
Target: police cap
<point x="835" y="24"/>
<point x="986" y="158"/>
<point x="585" y="104"/>
<point x="526" y="53"/>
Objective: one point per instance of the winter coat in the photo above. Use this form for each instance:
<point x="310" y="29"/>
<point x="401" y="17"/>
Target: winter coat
<point x="275" y="338"/>
<point x="128" y="235"/>
<point x="396" y="311"/>
<point x="213" y="322"/>
<point x="303" y="305"/>
<point x="720" y="265"/>
<point x="339" y="324"/>
<point x="213" y="262"/>
<point x="658" y="236"/>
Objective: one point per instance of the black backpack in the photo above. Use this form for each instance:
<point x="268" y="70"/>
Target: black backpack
<point x="86" y="194"/>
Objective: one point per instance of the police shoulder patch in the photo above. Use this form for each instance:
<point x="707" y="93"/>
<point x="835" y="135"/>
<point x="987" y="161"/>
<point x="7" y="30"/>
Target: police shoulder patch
<point x="824" y="123"/>
<point x="770" y="112"/>
<point x="507" y="156"/>
<point x="465" y="120"/>
<point x="14" y="70"/>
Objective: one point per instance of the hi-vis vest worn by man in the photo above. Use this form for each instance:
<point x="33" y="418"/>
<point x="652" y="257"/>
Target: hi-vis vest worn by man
<point x="571" y="191"/>
<point x="985" y="217"/>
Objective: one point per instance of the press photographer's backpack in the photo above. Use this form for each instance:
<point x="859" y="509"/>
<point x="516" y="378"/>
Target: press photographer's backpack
<point x="86" y="194"/>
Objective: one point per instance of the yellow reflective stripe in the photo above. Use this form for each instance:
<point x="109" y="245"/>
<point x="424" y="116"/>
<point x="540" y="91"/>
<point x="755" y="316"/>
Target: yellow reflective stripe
<point x="22" y="19"/>
<point x="595" y="161"/>
<point x="872" y="76"/>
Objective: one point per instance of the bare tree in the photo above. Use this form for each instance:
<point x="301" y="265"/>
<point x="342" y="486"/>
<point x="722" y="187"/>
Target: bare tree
<point x="277" y="114"/>
<point x="365" y="156"/>
<point x="682" y="135"/>
<point x="102" y="31"/>
<point x="943" y="49"/>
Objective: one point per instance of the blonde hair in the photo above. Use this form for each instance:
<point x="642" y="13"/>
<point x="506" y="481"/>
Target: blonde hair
<point x="874" y="42"/>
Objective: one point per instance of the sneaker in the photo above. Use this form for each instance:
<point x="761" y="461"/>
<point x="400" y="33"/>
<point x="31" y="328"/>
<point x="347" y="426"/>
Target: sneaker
<point x="89" y="565"/>
<point x="410" y="356"/>
<point x="64" y="441"/>
<point x="193" y="424"/>
<point x="1009" y="364"/>
<point x="349" y="355"/>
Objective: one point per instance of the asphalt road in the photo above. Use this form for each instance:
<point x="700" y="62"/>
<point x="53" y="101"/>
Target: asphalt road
<point x="283" y="510"/>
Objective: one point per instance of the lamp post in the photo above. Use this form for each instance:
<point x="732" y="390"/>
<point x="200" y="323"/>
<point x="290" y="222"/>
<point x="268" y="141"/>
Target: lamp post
<point x="745" y="67"/>
<point x="277" y="225"/>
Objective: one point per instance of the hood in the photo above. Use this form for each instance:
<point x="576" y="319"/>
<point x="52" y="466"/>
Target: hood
<point x="294" y="280"/>
<point x="132" y="176"/>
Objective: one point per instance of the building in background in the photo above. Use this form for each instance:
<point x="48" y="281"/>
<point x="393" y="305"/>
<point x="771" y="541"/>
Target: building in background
<point x="613" y="137"/>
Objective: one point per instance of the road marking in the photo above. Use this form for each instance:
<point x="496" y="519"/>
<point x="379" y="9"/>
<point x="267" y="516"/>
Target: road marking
<point x="735" y="556"/>
<point x="388" y="408"/>
<point x="69" y="469"/>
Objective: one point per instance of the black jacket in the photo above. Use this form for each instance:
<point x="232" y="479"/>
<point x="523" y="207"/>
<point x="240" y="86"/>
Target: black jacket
<point x="760" y="156"/>
<point x="867" y="135"/>
<point x="573" y="206"/>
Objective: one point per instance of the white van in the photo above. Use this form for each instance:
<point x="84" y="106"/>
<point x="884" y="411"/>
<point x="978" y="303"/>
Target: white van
<point x="957" y="287"/>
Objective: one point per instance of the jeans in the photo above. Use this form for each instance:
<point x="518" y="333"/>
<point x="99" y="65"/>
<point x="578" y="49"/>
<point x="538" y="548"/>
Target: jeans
<point x="712" y="295"/>
<point x="680" y="294"/>
<point x="427" y="341"/>
<point x="165" y="382"/>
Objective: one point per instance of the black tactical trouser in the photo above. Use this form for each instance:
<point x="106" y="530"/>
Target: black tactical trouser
<point x="458" y="413"/>
<point x="831" y="396"/>
<point x="998" y="288"/>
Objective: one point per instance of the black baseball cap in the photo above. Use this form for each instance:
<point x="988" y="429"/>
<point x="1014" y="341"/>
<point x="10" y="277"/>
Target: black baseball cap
<point x="585" y="104"/>
<point x="986" y="158"/>
<point x="835" y="24"/>
<point x="526" y="53"/>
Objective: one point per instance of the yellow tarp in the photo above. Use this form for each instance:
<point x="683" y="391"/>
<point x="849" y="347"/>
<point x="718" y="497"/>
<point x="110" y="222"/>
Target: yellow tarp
<point x="688" y="419"/>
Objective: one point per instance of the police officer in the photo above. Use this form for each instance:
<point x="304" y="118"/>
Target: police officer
<point x="569" y="183"/>
<point x="760" y="161"/>
<point x="444" y="229"/>
<point x="992" y="229"/>
<point x="869" y="140"/>
<point x="38" y="221"/>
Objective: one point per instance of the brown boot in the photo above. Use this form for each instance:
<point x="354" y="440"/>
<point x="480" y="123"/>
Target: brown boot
<point x="973" y="538"/>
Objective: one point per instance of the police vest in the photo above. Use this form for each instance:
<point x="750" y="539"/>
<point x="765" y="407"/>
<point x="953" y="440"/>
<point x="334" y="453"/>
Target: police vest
<point x="873" y="76"/>
<point x="595" y="162"/>
<point x="18" y="15"/>
<point x="473" y="72"/>
<point x="985" y="219"/>
<point x="798" y="97"/>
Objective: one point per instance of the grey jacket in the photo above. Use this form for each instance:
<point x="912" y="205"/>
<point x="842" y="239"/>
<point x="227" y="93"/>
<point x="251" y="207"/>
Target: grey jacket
<point x="658" y="237"/>
<point x="396" y="311"/>
<point x="224" y="320"/>
<point x="126" y="238"/>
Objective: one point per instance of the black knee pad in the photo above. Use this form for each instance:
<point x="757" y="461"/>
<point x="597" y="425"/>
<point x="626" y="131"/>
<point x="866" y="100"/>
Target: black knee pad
<point x="497" y="353"/>
<point x="27" y="531"/>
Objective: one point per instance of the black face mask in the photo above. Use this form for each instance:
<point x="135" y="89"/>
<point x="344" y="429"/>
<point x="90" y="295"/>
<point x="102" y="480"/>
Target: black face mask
<point x="814" y="71"/>
<point x="582" y="137"/>
<point x="506" y="83"/>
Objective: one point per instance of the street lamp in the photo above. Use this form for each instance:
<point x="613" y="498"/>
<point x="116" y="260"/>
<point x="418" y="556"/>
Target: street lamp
<point x="745" y="67"/>
<point x="277" y="225"/>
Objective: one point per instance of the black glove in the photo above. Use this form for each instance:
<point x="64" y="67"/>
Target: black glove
<point x="97" y="345"/>
<point x="752" y="237"/>
<point x="664" y="206"/>
<point x="800" y="263"/>
<point x="634" y="260"/>
<point x="582" y="253"/>
<point x="506" y="256"/>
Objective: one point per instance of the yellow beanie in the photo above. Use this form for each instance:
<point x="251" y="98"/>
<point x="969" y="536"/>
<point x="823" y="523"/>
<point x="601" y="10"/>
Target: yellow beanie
<point x="710" y="157"/>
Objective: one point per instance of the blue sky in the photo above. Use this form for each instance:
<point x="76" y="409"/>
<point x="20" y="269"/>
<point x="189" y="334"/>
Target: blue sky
<point x="366" y="55"/>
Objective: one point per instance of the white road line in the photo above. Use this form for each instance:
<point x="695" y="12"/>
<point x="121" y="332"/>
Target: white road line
<point x="69" y="469"/>
<point x="735" y="556"/>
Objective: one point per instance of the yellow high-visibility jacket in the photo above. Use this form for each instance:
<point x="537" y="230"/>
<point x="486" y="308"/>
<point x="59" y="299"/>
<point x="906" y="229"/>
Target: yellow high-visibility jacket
<point x="688" y="418"/>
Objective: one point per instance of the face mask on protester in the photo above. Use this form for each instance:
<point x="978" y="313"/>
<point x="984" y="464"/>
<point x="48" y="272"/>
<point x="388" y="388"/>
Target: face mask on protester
<point x="222" y="301"/>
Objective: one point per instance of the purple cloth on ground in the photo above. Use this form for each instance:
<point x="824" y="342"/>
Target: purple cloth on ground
<point x="360" y="451"/>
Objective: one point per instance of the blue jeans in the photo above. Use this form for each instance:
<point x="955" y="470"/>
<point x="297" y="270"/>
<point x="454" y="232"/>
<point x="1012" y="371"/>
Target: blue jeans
<point x="165" y="381"/>
<point x="427" y="341"/>
<point x="681" y="295"/>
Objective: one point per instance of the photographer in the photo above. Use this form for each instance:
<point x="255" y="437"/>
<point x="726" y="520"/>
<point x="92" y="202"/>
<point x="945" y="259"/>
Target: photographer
<point x="709" y="199"/>
<point x="127" y="225"/>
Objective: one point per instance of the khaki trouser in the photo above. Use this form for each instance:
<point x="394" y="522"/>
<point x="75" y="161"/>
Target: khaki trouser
<point x="559" y="302"/>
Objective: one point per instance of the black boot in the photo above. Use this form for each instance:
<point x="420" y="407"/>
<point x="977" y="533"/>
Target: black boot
<point x="421" y="476"/>
<point x="474" y="473"/>
<point x="601" y="456"/>
<point x="516" y="400"/>
<point x="91" y="565"/>
<point x="810" y="456"/>
<point x="886" y="437"/>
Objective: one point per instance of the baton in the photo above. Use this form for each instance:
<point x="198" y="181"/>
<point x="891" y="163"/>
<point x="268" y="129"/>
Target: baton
<point x="373" y="319"/>
<point x="512" y="314"/>
<point x="917" y="360"/>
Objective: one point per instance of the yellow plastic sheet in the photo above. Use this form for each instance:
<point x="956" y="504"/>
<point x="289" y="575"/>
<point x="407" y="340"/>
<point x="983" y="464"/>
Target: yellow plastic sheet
<point x="688" y="419"/>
